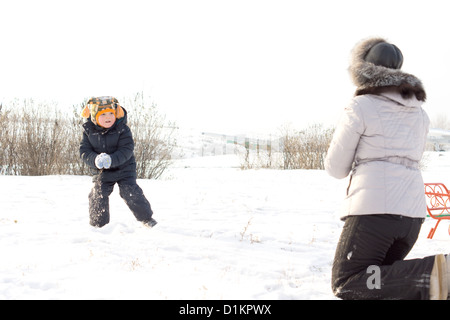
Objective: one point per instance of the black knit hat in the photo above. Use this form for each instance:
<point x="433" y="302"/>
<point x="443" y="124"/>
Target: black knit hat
<point x="386" y="55"/>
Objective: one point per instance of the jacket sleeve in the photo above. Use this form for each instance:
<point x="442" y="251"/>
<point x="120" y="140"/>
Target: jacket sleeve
<point x="342" y="150"/>
<point x="125" y="148"/>
<point x="87" y="153"/>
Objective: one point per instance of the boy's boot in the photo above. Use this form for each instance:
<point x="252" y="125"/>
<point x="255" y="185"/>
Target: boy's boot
<point x="150" y="223"/>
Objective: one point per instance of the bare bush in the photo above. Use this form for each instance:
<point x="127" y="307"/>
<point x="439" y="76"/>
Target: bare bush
<point x="8" y="142"/>
<point x="306" y="149"/>
<point x="31" y="140"/>
<point x="72" y="147"/>
<point x="153" y="137"/>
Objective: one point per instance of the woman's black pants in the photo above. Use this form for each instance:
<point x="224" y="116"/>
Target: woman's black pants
<point x="369" y="261"/>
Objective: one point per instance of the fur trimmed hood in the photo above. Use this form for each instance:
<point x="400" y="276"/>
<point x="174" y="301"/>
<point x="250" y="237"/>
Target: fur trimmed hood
<point x="374" y="79"/>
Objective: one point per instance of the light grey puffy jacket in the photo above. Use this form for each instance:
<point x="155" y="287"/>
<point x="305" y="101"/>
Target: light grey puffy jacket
<point x="380" y="140"/>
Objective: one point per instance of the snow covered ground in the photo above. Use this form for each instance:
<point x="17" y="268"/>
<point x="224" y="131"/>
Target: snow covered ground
<point x="223" y="233"/>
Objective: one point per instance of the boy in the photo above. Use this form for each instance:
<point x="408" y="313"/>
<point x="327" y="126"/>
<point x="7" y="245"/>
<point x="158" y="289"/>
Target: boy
<point x="107" y="148"/>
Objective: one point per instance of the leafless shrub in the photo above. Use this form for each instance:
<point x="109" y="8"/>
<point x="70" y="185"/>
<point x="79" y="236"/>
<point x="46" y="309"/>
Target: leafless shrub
<point x="153" y="137"/>
<point x="72" y="146"/>
<point x="32" y="138"/>
<point x="8" y="142"/>
<point x="306" y="149"/>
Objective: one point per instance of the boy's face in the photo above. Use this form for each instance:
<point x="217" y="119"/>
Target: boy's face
<point x="107" y="119"/>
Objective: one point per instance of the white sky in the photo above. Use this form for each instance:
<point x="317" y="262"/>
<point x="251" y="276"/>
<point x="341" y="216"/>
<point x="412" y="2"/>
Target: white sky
<point x="228" y="66"/>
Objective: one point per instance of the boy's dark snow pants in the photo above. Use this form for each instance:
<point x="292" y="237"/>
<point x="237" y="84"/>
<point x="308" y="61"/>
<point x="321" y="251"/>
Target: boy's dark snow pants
<point x="129" y="191"/>
<point x="369" y="259"/>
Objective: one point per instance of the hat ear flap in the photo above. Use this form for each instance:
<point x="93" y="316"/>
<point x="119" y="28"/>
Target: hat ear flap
<point x="119" y="112"/>
<point x="85" y="113"/>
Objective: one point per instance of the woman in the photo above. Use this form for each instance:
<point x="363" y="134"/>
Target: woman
<point x="379" y="141"/>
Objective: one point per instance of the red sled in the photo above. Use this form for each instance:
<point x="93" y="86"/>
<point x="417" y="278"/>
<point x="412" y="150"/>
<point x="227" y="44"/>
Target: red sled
<point x="438" y="204"/>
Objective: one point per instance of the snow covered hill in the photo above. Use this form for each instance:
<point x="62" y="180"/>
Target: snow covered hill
<point x="222" y="233"/>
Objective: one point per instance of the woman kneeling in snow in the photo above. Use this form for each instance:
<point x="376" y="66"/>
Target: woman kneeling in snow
<point x="379" y="141"/>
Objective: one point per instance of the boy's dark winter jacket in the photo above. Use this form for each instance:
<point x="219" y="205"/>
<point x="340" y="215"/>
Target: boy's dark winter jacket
<point x="116" y="141"/>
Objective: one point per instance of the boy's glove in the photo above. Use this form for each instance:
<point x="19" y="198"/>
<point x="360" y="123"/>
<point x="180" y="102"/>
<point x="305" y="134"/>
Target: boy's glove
<point x="103" y="161"/>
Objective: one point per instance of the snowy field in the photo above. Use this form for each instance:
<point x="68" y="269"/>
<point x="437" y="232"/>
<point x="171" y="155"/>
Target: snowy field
<point x="223" y="233"/>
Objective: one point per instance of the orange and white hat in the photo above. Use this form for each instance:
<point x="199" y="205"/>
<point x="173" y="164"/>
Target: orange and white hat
<point x="99" y="105"/>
